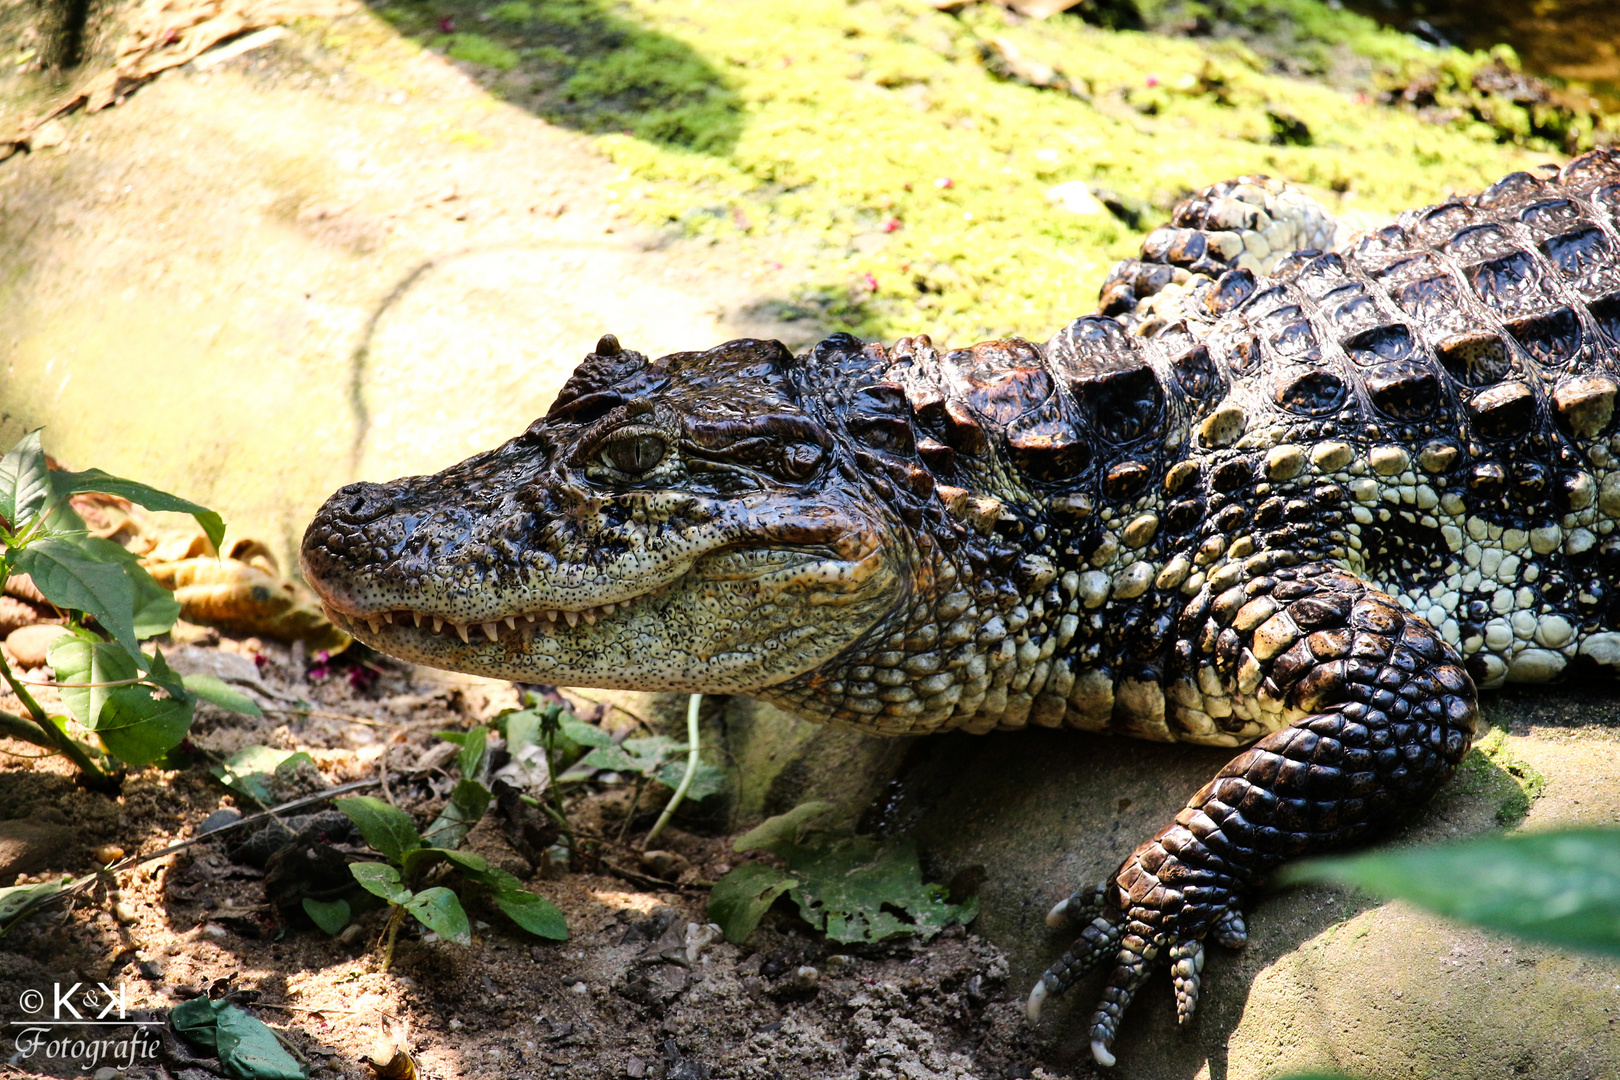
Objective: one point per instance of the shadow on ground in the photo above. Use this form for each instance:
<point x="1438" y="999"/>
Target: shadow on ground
<point x="580" y="65"/>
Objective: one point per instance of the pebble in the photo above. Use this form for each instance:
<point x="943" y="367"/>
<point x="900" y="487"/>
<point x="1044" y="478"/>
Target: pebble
<point x="29" y="645"/>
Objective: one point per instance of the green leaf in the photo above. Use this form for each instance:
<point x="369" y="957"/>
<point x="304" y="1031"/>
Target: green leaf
<point x="468" y="801"/>
<point x="706" y="779"/>
<point x="535" y="914"/>
<point x="68" y="483"/>
<point x="522" y="728"/>
<point x="1561" y="887"/>
<point x="82" y="657"/>
<point x="390" y="831"/>
<point x="380" y="879"/>
<point x="582" y="733"/>
<point x="861" y="890"/>
<point x="138" y="728"/>
<point x="777" y="834"/>
<point x="71" y="577"/>
<point x="740" y="899"/>
<point x="249" y="1050"/>
<point x="330" y="915"/>
<point x="252" y="769"/>
<point x="471" y="758"/>
<point x="155" y="608"/>
<point x="15" y="900"/>
<point x="25" y="483"/>
<point x="216" y="691"/>
<point x="611" y="758"/>
<point x="439" y="910"/>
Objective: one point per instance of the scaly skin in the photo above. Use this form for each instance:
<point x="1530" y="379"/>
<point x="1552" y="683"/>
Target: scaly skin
<point x="1297" y="502"/>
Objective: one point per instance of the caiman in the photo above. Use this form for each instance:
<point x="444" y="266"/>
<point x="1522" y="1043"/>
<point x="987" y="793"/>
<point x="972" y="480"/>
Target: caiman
<point x="1289" y="489"/>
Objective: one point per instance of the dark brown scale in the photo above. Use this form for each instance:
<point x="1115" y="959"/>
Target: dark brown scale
<point x="1553" y="338"/>
<point x="1404" y="391"/>
<point x="1314" y="393"/>
<point x="1504" y="411"/>
<point x="1509" y="285"/>
<point x="1231" y="290"/>
<point x="1476" y="359"/>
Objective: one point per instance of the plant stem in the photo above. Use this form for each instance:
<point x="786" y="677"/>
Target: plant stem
<point x="554" y="788"/>
<point x="58" y="739"/>
<point x="691" y="768"/>
<point x="20" y="727"/>
<point x="393" y="931"/>
<point x="635" y="803"/>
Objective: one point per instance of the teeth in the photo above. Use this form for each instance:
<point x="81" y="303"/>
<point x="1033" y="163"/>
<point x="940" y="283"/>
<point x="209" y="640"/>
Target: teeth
<point x="438" y="623"/>
<point x="572" y="617"/>
<point x="375" y="622"/>
<point x="461" y="632"/>
<point x="490" y="630"/>
<point x="589" y="614"/>
<point x="552" y="615"/>
<point x="511" y="623"/>
<point x="388" y="617"/>
<point x="530" y="617"/>
<point x="417" y="615"/>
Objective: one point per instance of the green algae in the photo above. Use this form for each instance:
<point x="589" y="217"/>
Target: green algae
<point x="1493" y="763"/>
<point x="911" y="180"/>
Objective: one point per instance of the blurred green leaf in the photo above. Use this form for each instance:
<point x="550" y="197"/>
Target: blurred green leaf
<point x="860" y="889"/>
<point x="16" y="899"/>
<point x="439" y="910"/>
<point x="82" y="657"/>
<point x="138" y="728"/>
<point x="778" y="834"/>
<point x="535" y="914"/>
<point x="380" y="879"/>
<point x="706" y="779"/>
<point x="330" y="915"/>
<point x="216" y="691"/>
<point x="1561" y="887"/>
<point x="582" y="733"/>
<point x="386" y="829"/>
<point x="24" y="481"/>
<point x="70" y="577"/>
<point x="67" y="483"/>
<point x="740" y="899"/>
<point x="154" y="608"/>
<point x="252" y="769"/>
<point x="468" y="802"/>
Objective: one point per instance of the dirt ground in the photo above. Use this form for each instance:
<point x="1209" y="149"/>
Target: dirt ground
<point x="619" y="998"/>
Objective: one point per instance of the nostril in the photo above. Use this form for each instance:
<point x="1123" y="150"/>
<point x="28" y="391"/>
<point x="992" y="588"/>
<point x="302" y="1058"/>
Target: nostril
<point x="359" y="504"/>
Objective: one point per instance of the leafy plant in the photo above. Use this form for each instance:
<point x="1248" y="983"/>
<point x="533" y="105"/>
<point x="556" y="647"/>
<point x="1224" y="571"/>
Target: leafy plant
<point x="855" y="888"/>
<point x="1560" y="887"/>
<point x="251" y="770"/>
<point x="572" y="750"/>
<point x="129" y="700"/>
<point x="416" y="859"/>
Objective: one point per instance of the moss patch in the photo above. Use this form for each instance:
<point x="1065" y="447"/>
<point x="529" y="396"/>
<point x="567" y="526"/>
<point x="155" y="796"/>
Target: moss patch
<point x="1493" y="762"/>
<point x="916" y="176"/>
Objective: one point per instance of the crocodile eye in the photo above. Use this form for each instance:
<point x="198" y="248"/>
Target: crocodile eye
<point x="635" y="454"/>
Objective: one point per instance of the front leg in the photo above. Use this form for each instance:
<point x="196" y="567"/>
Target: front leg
<point x="1379" y="711"/>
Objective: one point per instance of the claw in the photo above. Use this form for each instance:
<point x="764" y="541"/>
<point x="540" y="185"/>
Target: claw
<point x="1083" y="905"/>
<point x="1037" y="1000"/>
<point x="1135" y="960"/>
<point x="1230" y="929"/>
<point x="1186" y="963"/>
<point x="1100" y="1051"/>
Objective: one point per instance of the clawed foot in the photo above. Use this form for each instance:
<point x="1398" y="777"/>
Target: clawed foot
<point x="1108" y="932"/>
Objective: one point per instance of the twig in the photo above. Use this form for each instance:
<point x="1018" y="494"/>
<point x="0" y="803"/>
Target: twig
<point x="71" y="890"/>
<point x="691" y="769"/>
<point x="382" y="776"/>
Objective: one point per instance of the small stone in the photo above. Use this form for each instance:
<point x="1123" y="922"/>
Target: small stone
<point x="150" y="970"/>
<point x="124" y="913"/>
<point x="219" y="819"/>
<point x="30" y="645"/>
<point x="806" y="978"/>
<point x="106" y="853"/>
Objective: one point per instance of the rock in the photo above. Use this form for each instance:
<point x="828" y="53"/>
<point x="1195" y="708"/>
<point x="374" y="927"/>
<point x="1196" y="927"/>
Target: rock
<point x="193" y="660"/>
<point x="1330" y="980"/>
<point x="43" y="841"/>
<point x="29" y="645"/>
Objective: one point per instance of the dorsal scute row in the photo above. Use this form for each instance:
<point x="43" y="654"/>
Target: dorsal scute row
<point x="1490" y="319"/>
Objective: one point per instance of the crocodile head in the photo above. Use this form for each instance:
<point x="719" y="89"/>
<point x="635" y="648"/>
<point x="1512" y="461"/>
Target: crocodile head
<point x="686" y="524"/>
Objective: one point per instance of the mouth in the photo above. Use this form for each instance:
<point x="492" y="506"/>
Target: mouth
<point x="729" y="564"/>
<point x="524" y="625"/>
